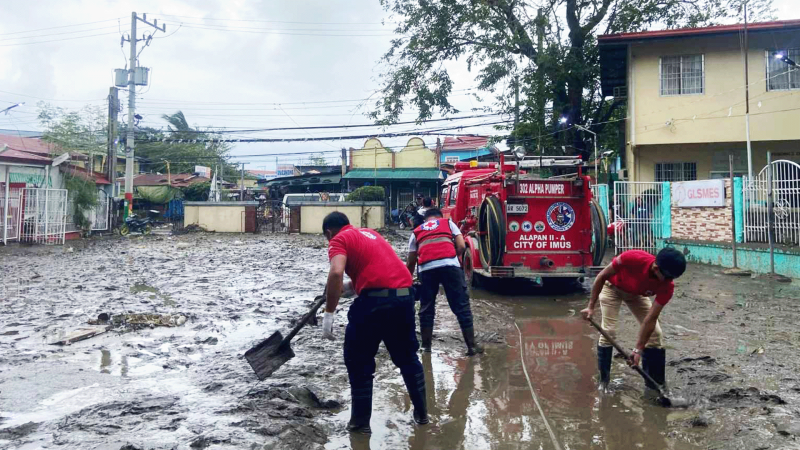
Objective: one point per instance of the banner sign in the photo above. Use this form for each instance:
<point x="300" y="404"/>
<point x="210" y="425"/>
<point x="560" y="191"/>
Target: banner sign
<point x="690" y="194"/>
<point x="285" y="170"/>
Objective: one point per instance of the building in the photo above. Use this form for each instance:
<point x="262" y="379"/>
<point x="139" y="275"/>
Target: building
<point x="26" y="162"/>
<point x="685" y="95"/>
<point x="404" y="173"/>
<point x="465" y="148"/>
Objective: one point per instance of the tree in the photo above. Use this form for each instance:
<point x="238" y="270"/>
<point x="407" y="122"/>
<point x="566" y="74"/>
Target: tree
<point x="80" y="131"/>
<point x="317" y="160"/>
<point x="501" y="40"/>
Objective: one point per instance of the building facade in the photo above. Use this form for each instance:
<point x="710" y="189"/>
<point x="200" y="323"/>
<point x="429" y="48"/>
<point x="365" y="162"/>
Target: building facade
<point x="686" y="99"/>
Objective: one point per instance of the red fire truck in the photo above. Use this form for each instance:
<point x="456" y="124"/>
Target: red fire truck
<point x="518" y="223"/>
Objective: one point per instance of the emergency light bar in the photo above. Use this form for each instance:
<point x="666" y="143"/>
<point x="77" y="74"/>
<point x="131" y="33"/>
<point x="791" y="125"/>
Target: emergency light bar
<point x="550" y="161"/>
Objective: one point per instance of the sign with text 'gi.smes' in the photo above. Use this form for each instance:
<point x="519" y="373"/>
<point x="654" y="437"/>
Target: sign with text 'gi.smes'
<point x="690" y="194"/>
<point x="285" y="170"/>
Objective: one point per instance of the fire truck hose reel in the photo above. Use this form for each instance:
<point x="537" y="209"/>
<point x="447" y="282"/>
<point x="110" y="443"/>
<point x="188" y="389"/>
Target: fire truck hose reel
<point x="599" y="234"/>
<point x="491" y="232"/>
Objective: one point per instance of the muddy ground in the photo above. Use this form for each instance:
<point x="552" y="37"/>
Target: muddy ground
<point x="732" y="350"/>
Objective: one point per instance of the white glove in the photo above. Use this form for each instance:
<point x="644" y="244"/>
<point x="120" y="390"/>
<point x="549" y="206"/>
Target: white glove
<point x="327" y="326"/>
<point x="347" y="289"/>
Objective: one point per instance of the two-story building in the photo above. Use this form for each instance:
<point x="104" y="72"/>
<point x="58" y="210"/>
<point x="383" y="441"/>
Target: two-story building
<point x="686" y="98"/>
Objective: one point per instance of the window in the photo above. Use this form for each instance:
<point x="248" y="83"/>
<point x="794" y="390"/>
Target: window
<point x="453" y="195"/>
<point x="682" y="75"/>
<point x="780" y="75"/>
<point x="451" y="159"/>
<point x="681" y="171"/>
<point x="444" y="195"/>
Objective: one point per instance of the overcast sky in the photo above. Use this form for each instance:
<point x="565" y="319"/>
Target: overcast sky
<point x="267" y="68"/>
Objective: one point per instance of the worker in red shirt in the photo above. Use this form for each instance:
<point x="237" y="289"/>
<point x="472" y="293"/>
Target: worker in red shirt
<point x="437" y="246"/>
<point x="633" y="277"/>
<point x="383" y="311"/>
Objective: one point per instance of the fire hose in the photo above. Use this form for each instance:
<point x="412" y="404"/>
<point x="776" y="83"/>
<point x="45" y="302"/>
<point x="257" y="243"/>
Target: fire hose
<point x="491" y="232"/>
<point x="599" y="234"/>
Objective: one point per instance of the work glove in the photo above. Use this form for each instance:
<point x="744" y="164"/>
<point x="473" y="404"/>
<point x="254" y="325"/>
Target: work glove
<point x="327" y="325"/>
<point x="348" y="291"/>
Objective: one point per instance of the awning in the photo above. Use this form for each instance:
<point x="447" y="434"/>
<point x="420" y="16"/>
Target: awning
<point x="316" y="179"/>
<point x="414" y="174"/>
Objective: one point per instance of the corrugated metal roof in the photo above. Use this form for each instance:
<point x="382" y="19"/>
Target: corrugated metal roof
<point x="396" y="174"/>
<point x="779" y="25"/>
<point x="465" y="143"/>
<point x="12" y="155"/>
<point x="27" y="144"/>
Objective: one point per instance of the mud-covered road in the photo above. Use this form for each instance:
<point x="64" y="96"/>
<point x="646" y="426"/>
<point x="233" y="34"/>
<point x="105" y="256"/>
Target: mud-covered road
<point x="732" y="349"/>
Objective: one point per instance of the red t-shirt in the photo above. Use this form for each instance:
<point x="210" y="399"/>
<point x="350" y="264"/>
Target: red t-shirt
<point x="633" y="276"/>
<point x="371" y="261"/>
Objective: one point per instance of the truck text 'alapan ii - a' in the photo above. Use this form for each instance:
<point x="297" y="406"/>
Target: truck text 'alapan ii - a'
<point x="518" y="223"/>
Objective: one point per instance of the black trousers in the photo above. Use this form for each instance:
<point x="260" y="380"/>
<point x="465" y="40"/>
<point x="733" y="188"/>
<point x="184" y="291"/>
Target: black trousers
<point x="455" y="287"/>
<point x="370" y="321"/>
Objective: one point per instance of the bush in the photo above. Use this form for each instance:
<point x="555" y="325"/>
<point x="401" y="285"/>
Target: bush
<point x="367" y="194"/>
<point x="83" y="193"/>
<point x="196" y="192"/>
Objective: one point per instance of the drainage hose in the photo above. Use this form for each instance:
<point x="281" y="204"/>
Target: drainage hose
<point x="599" y="234"/>
<point x="491" y="232"/>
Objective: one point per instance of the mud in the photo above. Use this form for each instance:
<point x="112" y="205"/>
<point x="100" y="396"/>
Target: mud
<point x="731" y="347"/>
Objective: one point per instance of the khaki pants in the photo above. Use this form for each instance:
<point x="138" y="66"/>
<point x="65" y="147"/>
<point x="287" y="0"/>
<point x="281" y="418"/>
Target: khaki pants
<point x="611" y="299"/>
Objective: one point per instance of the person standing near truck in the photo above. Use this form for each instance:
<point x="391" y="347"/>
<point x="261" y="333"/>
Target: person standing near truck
<point x="437" y="245"/>
<point x="633" y="277"/>
<point x="383" y="311"/>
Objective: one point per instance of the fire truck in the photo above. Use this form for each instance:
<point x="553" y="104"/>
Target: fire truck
<point x="519" y="223"/>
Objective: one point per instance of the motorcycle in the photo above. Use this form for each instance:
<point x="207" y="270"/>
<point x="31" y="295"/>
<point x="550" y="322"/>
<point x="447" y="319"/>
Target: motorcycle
<point x="410" y="217"/>
<point x="133" y="223"/>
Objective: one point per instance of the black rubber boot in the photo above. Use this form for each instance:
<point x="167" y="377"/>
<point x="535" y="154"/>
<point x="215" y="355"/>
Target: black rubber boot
<point x="427" y="338"/>
<point x="361" y="410"/>
<point x="469" y="339"/>
<point x="654" y="364"/>
<point x="415" y="383"/>
<point x="604" y="355"/>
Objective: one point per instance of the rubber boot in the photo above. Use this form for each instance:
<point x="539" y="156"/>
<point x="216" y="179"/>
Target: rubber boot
<point x="654" y="364"/>
<point x="604" y="355"/>
<point x="427" y="338"/>
<point x="415" y="383"/>
<point x="361" y="410"/>
<point x="469" y="339"/>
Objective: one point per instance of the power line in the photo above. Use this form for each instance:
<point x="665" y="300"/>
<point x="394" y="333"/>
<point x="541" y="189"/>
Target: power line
<point x="54" y="99"/>
<point x="62" y="26"/>
<point x="57" y="40"/>
<point x="288" y="34"/>
<point x="56" y="34"/>
<point x="275" y="21"/>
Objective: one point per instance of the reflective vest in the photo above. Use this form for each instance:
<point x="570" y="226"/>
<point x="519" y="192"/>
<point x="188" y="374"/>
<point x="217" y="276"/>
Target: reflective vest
<point x="434" y="241"/>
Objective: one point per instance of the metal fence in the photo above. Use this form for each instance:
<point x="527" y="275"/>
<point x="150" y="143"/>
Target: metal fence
<point x="98" y="216"/>
<point x="10" y="224"/>
<point x="637" y="209"/>
<point x="44" y="216"/>
<point x="785" y="179"/>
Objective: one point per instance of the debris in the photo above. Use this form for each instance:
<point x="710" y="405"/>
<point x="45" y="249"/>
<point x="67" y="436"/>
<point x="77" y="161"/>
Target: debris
<point x="238" y="243"/>
<point x="789" y="428"/>
<point x="758" y="351"/>
<point x="701" y="420"/>
<point x="736" y="272"/>
<point x="183" y="245"/>
<point x="18" y="432"/>
<point x="307" y="397"/>
<point x="79" y="334"/>
<point x="9" y="333"/>
<point x="139" y="321"/>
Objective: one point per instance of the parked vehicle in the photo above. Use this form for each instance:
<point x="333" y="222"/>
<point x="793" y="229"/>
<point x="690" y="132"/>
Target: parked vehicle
<point x="518" y="224"/>
<point x="290" y="200"/>
<point x="133" y="223"/>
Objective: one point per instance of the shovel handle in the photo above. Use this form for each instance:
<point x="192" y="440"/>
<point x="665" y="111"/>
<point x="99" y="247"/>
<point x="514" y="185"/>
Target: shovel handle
<point x="627" y="356"/>
<point x="311" y="313"/>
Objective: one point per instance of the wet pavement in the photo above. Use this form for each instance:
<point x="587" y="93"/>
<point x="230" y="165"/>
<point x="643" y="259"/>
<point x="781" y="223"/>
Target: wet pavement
<point x="731" y="349"/>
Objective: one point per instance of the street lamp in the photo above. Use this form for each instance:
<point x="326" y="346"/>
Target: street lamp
<point x="594" y="138"/>
<point x="11" y="107"/>
<point x="562" y="120"/>
<point x="785" y="58"/>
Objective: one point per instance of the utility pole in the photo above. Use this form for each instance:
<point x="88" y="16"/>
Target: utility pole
<point x="241" y="186"/>
<point x="129" y="153"/>
<point x="516" y="105"/>
<point x="747" y="100"/>
<point x="113" y="111"/>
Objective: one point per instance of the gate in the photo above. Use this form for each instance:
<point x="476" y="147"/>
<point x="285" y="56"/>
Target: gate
<point x="44" y="216"/>
<point x="600" y="193"/>
<point x="9" y="220"/>
<point x="785" y="177"/>
<point x="99" y="215"/>
<point x="637" y="209"/>
<point x="404" y="198"/>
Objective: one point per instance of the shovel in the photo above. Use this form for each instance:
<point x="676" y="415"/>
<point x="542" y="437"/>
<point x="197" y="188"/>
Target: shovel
<point x="270" y="354"/>
<point x="663" y="398"/>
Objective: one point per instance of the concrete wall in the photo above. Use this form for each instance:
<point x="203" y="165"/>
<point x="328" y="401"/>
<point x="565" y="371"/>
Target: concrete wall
<point x="717" y="115"/>
<point x="360" y="214"/>
<point x="224" y="217"/>
<point x="374" y="155"/>
<point x="751" y="257"/>
<point x="703" y="223"/>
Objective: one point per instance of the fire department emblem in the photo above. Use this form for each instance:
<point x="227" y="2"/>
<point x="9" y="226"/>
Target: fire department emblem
<point x="430" y="225"/>
<point x="560" y="216"/>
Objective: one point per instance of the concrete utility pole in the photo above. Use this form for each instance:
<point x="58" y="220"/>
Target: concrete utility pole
<point x="129" y="154"/>
<point x="747" y="101"/>
<point x="241" y="187"/>
<point x="113" y="111"/>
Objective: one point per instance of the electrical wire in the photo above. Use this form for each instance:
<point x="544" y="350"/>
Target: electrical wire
<point x="62" y="26"/>
<point x="290" y="34"/>
<point x="273" y="21"/>
<point x="57" y="40"/>
<point x="56" y="34"/>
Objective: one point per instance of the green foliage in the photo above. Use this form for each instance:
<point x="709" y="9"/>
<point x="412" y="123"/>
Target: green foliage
<point x="367" y="194"/>
<point x="197" y="192"/>
<point x="83" y="193"/>
<point x="83" y="131"/>
<point x="498" y="40"/>
<point x="317" y="160"/>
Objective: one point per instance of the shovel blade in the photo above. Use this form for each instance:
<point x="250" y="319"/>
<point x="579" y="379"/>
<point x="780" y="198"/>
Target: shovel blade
<point x="269" y="355"/>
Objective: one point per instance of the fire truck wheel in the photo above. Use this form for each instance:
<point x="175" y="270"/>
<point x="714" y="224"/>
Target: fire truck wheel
<point x="492" y="232"/>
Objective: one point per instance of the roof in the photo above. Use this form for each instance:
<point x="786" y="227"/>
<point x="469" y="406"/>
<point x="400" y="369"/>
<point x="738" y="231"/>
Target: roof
<point x="780" y="25"/>
<point x="318" y="169"/>
<point x="309" y="179"/>
<point x="465" y="143"/>
<point x="27" y="144"/>
<point x="262" y="173"/>
<point x="97" y="177"/>
<point x="175" y="180"/>
<point x="395" y="174"/>
<point x="21" y="157"/>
